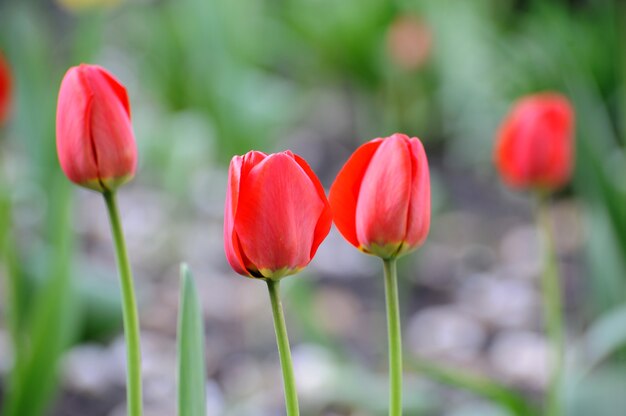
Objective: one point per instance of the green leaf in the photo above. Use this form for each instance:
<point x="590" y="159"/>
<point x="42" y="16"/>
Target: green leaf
<point x="605" y="337"/>
<point x="479" y="385"/>
<point x="191" y="365"/>
<point x="600" y="393"/>
<point x="51" y="322"/>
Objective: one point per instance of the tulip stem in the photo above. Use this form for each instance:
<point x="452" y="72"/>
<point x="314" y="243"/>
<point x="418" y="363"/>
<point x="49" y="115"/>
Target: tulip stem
<point x="129" y="309"/>
<point x="282" y="340"/>
<point x="552" y="309"/>
<point x="395" y="339"/>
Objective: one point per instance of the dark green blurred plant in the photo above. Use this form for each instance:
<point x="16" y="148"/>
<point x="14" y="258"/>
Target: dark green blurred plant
<point x="44" y="314"/>
<point x="41" y="315"/>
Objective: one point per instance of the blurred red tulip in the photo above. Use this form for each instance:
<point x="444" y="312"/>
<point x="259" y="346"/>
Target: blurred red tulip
<point x="5" y="89"/>
<point x="276" y="214"/>
<point x="409" y="42"/>
<point x="95" y="140"/>
<point x="534" y="147"/>
<point x="381" y="197"/>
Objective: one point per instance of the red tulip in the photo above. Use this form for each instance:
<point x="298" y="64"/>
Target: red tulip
<point x="95" y="140"/>
<point x="381" y="197"/>
<point x="276" y="214"/>
<point x="534" y="147"/>
<point x="409" y="42"/>
<point x="5" y="89"/>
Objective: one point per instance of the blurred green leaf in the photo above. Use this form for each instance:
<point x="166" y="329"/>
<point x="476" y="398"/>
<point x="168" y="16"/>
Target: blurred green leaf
<point x="605" y="337"/>
<point x="599" y="166"/>
<point x="481" y="386"/>
<point x="348" y="41"/>
<point x="52" y="321"/>
<point x="599" y="394"/>
<point x="191" y="364"/>
<point x="100" y="307"/>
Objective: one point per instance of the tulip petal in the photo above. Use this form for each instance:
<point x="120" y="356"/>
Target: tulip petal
<point x="276" y="216"/>
<point x="383" y="201"/>
<point x="117" y="88"/>
<point x="75" y="151"/>
<point x="239" y="168"/>
<point x="111" y="130"/>
<point x="326" y="218"/>
<point x="418" y="222"/>
<point x="344" y="192"/>
<point x="558" y="123"/>
<point x="5" y="89"/>
<point x="231" y="242"/>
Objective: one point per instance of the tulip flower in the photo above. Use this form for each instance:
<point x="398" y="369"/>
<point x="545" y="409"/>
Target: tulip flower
<point x="534" y="150"/>
<point x="381" y="197"/>
<point x="95" y="140"/>
<point x="534" y="144"/>
<point x="276" y="214"/>
<point x="275" y="217"/>
<point x="5" y="89"/>
<point x="96" y="149"/>
<point x="381" y="205"/>
<point x="409" y="42"/>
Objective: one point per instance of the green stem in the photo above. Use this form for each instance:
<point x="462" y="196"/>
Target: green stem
<point x="13" y="286"/>
<point x="13" y="282"/>
<point x="395" y="339"/>
<point x="552" y="308"/>
<point x="129" y="309"/>
<point x="289" y="381"/>
<point x="620" y="14"/>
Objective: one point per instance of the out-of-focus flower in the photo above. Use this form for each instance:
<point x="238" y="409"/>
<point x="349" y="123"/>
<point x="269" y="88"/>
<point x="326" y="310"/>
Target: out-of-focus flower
<point x="276" y="214"/>
<point x="381" y="197"/>
<point x="409" y="42"/>
<point x="5" y="89"/>
<point x="95" y="140"/>
<point x="534" y="145"/>
<point x="81" y="5"/>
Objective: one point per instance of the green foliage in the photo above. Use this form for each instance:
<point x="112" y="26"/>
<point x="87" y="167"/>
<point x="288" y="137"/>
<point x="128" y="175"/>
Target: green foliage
<point x="481" y="386"/>
<point x="191" y="363"/>
<point x="44" y="313"/>
<point x="49" y="324"/>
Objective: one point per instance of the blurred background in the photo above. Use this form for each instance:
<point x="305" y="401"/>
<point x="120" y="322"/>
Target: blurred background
<point x="212" y="78"/>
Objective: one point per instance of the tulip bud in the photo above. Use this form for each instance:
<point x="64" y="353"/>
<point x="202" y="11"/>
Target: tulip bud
<point x="409" y="42"/>
<point x="276" y="214"/>
<point x="95" y="140"/>
<point x="5" y="89"/>
<point x="534" y="147"/>
<point x="381" y="197"/>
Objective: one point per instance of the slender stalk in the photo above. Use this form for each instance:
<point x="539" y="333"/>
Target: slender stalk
<point x="129" y="309"/>
<point x="552" y="309"/>
<point x="8" y="257"/>
<point x="620" y="14"/>
<point x="289" y="381"/>
<point x="13" y="282"/>
<point x="13" y="289"/>
<point x="395" y="339"/>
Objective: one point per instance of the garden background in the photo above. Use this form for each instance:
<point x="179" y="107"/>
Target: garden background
<point x="208" y="79"/>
